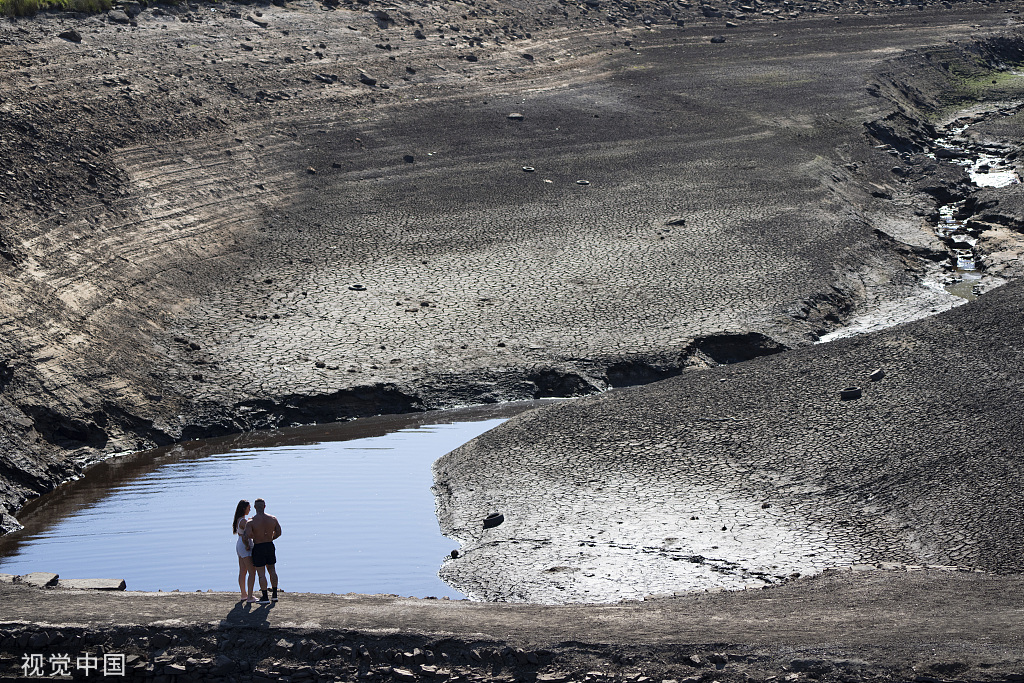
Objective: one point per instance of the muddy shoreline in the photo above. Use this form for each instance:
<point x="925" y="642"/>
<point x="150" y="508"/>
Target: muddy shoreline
<point x="865" y="625"/>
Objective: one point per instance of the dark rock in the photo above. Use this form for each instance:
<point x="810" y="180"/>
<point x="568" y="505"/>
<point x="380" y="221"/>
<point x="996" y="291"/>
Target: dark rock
<point x="515" y="116"/>
<point x="133" y="9"/>
<point x="408" y="158"/>
<point x="71" y="35"/>
<point x="493" y="520"/>
<point x="118" y="17"/>
<point x="718" y="39"/>
<point x="850" y="393"/>
<point x="877" y="375"/>
<point x="367" y="79"/>
<point x="527" y="56"/>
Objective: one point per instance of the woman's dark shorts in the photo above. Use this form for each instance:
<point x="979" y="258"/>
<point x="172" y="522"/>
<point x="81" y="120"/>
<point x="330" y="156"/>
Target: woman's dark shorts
<point x="263" y="554"/>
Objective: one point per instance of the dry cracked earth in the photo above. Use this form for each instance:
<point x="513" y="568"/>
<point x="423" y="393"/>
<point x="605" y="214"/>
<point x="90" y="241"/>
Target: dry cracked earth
<point x="222" y="217"/>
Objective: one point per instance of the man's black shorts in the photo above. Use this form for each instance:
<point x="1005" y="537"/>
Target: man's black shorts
<point x="263" y="554"/>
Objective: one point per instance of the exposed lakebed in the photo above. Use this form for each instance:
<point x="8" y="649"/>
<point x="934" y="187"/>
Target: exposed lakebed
<point x="354" y="500"/>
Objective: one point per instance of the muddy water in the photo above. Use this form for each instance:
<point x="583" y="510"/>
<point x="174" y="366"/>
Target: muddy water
<point x="354" y="501"/>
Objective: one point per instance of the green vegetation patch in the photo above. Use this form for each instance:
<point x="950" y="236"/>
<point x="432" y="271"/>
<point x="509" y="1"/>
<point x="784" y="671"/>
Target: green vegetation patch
<point x="973" y="79"/>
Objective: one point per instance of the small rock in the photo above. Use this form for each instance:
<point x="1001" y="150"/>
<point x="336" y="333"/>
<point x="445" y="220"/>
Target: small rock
<point x="39" y="579"/>
<point x="419" y="34"/>
<point x="133" y="9"/>
<point x="877" y="375"/>
<point x="582" y="182"/>
<point x="310" y="170"/>
<point x="118" y="17"/>
<point x="366" y="79"/>
<point x="403" y="674"/>
<point x="71" y="35"/>
<point x="93" y="584"/>
<point x="527" y="56"/>
<point x="493" y="520"/>
<point x="472" y="58"/>
<point x="718" y="39"/>
<point x="408" y="158"/>
<point x="516" y="116"/>
<point x="850" y="393"/>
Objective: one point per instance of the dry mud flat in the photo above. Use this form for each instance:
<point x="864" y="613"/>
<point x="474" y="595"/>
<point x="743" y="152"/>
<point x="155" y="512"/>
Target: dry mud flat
<point x="219" y="218"/>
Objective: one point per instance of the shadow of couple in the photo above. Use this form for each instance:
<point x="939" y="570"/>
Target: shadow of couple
<point x="249" y="614"/>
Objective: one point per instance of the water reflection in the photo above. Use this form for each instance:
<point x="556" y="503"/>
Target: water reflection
<point x="354" y="502"/>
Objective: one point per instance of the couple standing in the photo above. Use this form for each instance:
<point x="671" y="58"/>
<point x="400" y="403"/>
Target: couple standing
<point x="255" y="549"/>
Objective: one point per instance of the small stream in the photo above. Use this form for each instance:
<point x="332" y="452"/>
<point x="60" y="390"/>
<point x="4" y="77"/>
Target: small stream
<point x="986" y="168"/>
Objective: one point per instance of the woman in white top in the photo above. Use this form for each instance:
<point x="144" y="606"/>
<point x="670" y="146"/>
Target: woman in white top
<point x="243" y="550"/>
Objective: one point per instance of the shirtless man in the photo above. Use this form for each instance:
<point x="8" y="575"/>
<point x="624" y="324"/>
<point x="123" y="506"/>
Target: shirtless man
<point x="262" y="529"/>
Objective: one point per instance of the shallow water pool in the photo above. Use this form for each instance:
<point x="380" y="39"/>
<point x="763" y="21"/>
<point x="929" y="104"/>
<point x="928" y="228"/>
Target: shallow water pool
<point x="353" y="499"/>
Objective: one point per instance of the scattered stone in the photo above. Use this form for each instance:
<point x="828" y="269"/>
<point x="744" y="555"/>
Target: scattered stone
<point x="850" y="393"/>
<point x="493" y="520"/>
<point x="71" y="35"/>
<point x="582" y="182"/>
<point x="527" y="56"/>
<point x="408" y="158"/>
<point x="516" y="116"/>
<point x="39" y="579"/>
<point x="718" y="39"/>
<point x="419" y="34"/>
<point x="877" y="375"/>
<point x="118" y="17"/>
<point x="93" y="584"/>
<point x="310" y="170"/>
<point x="471" y="58"/>
<point x="403" y="674"/>
<point x="366" y="79"/>
<point x="529" y="169"/>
